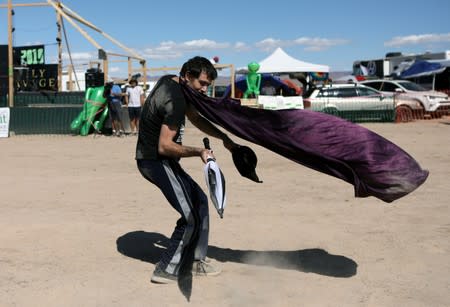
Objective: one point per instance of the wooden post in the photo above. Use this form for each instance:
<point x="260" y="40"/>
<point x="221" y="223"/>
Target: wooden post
<point x="213" y="85"/>
<point x="105" y="70"/>
<point x="144" y="73"/>
<point x="77" y="17"/>
<point x="69" y="73"/>
<point x="25" y="4"/>
<point x="59" y="40"/>
<point x="63" y="12"/>
<point x="130" y="69"/>
<point x="10" y="58"/>
<point x="233" y="93"/>
<point x="90" y="39"/>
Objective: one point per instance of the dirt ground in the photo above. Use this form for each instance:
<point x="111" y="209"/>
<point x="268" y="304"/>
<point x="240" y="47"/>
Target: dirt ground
<point x="81" y="227"/>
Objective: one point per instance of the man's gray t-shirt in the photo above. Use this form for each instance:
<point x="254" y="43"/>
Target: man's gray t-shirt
<point x="164" y="105"/>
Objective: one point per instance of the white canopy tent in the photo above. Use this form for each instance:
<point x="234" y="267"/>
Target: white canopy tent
<point x="280" y="62"/>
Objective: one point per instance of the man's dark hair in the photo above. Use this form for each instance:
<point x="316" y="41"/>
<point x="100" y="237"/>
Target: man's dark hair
<point x="196" y="66"/>
<point x="133" y="81"/>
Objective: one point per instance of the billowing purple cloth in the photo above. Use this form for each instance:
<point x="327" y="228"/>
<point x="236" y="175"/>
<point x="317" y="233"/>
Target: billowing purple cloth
<point x="328" y="144"/>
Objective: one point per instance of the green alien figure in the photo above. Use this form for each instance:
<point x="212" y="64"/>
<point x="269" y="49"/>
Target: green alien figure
<point x="253" y="80"/>
<point x="95" y="111"/>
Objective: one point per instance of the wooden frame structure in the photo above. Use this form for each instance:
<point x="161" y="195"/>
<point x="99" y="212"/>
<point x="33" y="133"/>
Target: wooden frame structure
<point x="62" y="11"/>
<point x="166" y="68"/>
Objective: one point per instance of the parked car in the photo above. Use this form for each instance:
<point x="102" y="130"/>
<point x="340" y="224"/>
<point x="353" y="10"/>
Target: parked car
<point x="432" y="102"/>
<point x="356" y="97"/>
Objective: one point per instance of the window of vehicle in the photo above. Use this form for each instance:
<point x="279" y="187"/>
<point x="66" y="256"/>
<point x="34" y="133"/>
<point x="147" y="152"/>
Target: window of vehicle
<point x="326" y="92"/>
<point x="375" y="85"/>
<point x="347" y="92"/>
<point x="389" y="87"/>
<point x="364" y="91"/>
<point x="337" y="92"/>
<point x="412" y="86"/>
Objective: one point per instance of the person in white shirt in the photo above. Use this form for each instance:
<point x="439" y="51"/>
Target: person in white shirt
<point x="134" y="99"/>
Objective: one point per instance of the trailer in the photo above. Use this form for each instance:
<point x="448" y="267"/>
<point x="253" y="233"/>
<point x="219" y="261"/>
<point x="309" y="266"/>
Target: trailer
<point x="394" y="63"/>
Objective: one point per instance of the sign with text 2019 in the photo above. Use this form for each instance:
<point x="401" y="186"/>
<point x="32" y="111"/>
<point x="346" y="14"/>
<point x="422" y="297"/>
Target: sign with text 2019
<point x="29" y="55"/>
<point x="4" y="122"/>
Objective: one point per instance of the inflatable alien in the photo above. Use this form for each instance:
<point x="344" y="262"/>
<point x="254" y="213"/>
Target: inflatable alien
<point x="253" y="80"/>
<point x="95" y="111"/>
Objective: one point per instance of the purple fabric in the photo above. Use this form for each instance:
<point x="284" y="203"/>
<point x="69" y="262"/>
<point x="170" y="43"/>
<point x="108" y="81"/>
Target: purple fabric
<point x="328" y="144"/>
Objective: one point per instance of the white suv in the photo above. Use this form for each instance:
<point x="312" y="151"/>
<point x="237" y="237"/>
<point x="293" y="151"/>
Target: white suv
<point x="358" y="99"/>
<point x="431" y="101"/>
<point x="353" y="97"/>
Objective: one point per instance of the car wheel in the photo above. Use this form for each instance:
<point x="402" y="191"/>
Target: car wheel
<point x="419" y="113"/>
<point x="403" y="114"/>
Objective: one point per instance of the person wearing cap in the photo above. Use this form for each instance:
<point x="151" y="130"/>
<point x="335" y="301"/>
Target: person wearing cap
<point x="158" y="151"/>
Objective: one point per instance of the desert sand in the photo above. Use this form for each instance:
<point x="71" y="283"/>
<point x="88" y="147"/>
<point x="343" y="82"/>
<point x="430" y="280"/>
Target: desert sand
<point x="81" y="227"/>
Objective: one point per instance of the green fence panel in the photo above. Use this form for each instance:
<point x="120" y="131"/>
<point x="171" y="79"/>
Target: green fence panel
<point x="3" y="102"/>
<point x="25" y="99"/>
<point x="22" y="99"/>
<point x="43" y="120"/>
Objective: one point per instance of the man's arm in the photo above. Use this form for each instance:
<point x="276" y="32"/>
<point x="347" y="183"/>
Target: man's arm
<point x="167" y="147"/>
<point x="141" y="95"/>
<point x="126" y="98"/>
<point x="207" y="127"/>
<point x="116" y="91"/>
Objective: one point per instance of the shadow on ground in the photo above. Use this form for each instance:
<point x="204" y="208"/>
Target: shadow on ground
<point x="148" y="246"/>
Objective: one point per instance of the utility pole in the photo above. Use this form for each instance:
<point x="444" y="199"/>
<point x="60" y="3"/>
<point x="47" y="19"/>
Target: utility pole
<point x="59" y="41"/>
<point x="10" y="57"/>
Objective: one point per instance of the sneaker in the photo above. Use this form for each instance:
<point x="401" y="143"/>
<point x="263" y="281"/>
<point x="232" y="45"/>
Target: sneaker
<point x="204" y="268"/>
<point x="162" y="277"/>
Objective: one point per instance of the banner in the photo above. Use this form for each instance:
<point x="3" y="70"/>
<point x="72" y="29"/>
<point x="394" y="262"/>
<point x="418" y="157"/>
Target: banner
<point x="280" y="102"/>
<point x="36" y="78"/>
<point x="29" y="55"/>
<point x="4" y="122"/>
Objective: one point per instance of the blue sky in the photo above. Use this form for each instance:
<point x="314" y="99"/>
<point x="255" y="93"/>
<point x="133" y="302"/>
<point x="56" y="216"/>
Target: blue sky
<point x="167" y="33"/>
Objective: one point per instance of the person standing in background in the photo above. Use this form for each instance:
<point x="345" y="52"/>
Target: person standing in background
<point x="134" y="99"/>
<point x="115" y="105"/>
